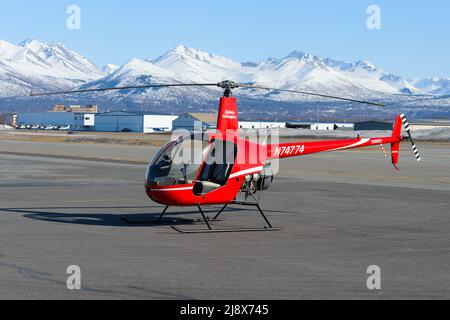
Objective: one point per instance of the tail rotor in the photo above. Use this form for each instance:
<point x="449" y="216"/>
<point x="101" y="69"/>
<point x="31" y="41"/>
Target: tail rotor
<point x="408" y="130"/>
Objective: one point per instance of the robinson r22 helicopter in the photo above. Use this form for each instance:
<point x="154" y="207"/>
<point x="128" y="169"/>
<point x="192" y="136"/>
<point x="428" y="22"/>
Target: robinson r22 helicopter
<point x="222" y="168"/>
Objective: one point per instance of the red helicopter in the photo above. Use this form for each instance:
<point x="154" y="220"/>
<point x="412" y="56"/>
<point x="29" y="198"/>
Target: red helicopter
<point x="223" y="168"/>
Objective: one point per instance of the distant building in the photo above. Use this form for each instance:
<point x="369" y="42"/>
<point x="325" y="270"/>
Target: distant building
<point x="59" y="108"/>
<point x="345" y="126"/>
<point x="122" y="121"/>
<point x="261" y="125"/>
<point x="373" y="125"/>
<point x="158" y="123"/>
<point x="320" y="126"/>
<point x="119" y="121"/>
<point x="196" y="121"/>
<point x="324" y="126"/>
<point x="75" y="108"/>
<point x="299" y="125"/>
<point x="9" y="119"/>
<point x="76" y="121"/>
<point x="429" y="124"/>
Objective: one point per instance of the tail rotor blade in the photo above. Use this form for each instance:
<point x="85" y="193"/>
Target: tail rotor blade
<point x="408" y="130"/>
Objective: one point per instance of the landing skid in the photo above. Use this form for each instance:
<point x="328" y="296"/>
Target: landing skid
<point x="159" y="222"/>
<point x="183" y="231"/>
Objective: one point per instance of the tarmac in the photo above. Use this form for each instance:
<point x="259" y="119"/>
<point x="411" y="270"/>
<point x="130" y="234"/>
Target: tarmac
<point x="64" y="204"/>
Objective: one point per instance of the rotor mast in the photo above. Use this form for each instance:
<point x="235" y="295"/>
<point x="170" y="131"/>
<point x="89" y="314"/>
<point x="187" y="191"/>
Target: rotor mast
<point x="228" y="109"/>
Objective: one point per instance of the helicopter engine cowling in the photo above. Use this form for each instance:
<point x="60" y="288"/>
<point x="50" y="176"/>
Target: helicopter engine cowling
<point x="259" y="182"/>
<point x="266" y="178"/>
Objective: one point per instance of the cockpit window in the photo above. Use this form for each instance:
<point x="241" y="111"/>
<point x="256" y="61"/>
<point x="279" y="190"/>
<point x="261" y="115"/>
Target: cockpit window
<point x="178" y="162"/>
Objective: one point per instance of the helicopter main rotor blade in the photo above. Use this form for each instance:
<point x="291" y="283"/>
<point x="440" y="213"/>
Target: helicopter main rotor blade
<point x="224" y="84"/>
<point x="311" y="94"/>
<point x="127" y="88"/>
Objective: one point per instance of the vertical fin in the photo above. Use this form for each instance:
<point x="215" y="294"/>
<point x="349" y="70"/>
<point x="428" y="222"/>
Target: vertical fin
<point x="395" y="146"/>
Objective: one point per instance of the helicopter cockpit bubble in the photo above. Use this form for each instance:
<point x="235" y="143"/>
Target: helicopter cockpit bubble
<point x="178" y="162"/>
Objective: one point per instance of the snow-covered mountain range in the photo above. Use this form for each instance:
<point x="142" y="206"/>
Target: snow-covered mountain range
<point x="439" y="86"/>
<point x="33" y="66"/>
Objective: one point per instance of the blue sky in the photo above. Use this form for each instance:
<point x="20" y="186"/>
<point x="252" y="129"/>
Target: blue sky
<point x="413" y="41"/>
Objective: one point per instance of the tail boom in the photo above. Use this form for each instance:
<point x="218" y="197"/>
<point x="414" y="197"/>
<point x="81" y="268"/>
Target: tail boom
<point x="296" y="149"/>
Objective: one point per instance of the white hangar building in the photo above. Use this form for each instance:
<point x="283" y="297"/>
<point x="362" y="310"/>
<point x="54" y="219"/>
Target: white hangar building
<point x="122" y="121"/>
<point x="157" y="123"/>
<point x="195" y="122"/>
<point x="261" y="125"/>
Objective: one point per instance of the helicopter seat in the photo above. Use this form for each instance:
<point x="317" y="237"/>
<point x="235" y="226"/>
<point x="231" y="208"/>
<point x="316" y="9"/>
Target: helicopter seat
<point x="215" y="174"/>
<point x="205" y="187"/>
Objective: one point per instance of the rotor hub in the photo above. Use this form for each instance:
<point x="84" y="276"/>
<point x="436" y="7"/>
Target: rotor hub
<point x="228" y="85"/>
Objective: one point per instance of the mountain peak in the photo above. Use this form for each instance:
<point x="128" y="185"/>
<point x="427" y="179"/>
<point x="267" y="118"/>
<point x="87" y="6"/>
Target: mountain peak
<point x="300" y="55"/>
<point x="180" y="48"/>
<point x="190" y="52"/>
<point x="110" y="68"/>
<point x="32" y="44"/>
<point x="29" y="41"/>
<point x="183" y="51"/>
<point x="366" y="65"/>
<point x="36" y="46"/>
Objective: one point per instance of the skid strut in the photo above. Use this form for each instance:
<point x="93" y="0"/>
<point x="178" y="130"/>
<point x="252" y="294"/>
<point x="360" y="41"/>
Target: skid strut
<point x="269" y="226"/>
<point x="163" y="213"/>
<point x="204" y="217"/>
<point x="220" y="212"/>
<point x="264" y="216"/>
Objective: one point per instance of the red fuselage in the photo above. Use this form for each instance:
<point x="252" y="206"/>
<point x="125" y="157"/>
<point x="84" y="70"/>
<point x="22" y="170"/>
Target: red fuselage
<point x="176" y="183"/>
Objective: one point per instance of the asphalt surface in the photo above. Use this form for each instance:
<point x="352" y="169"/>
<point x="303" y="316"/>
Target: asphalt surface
<point x="340" y="213"/>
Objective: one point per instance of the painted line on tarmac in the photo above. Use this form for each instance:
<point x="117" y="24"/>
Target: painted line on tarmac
<point x="65" y="157"/>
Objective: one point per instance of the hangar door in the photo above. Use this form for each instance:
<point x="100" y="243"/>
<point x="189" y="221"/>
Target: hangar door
<point x="119" y="122"/>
